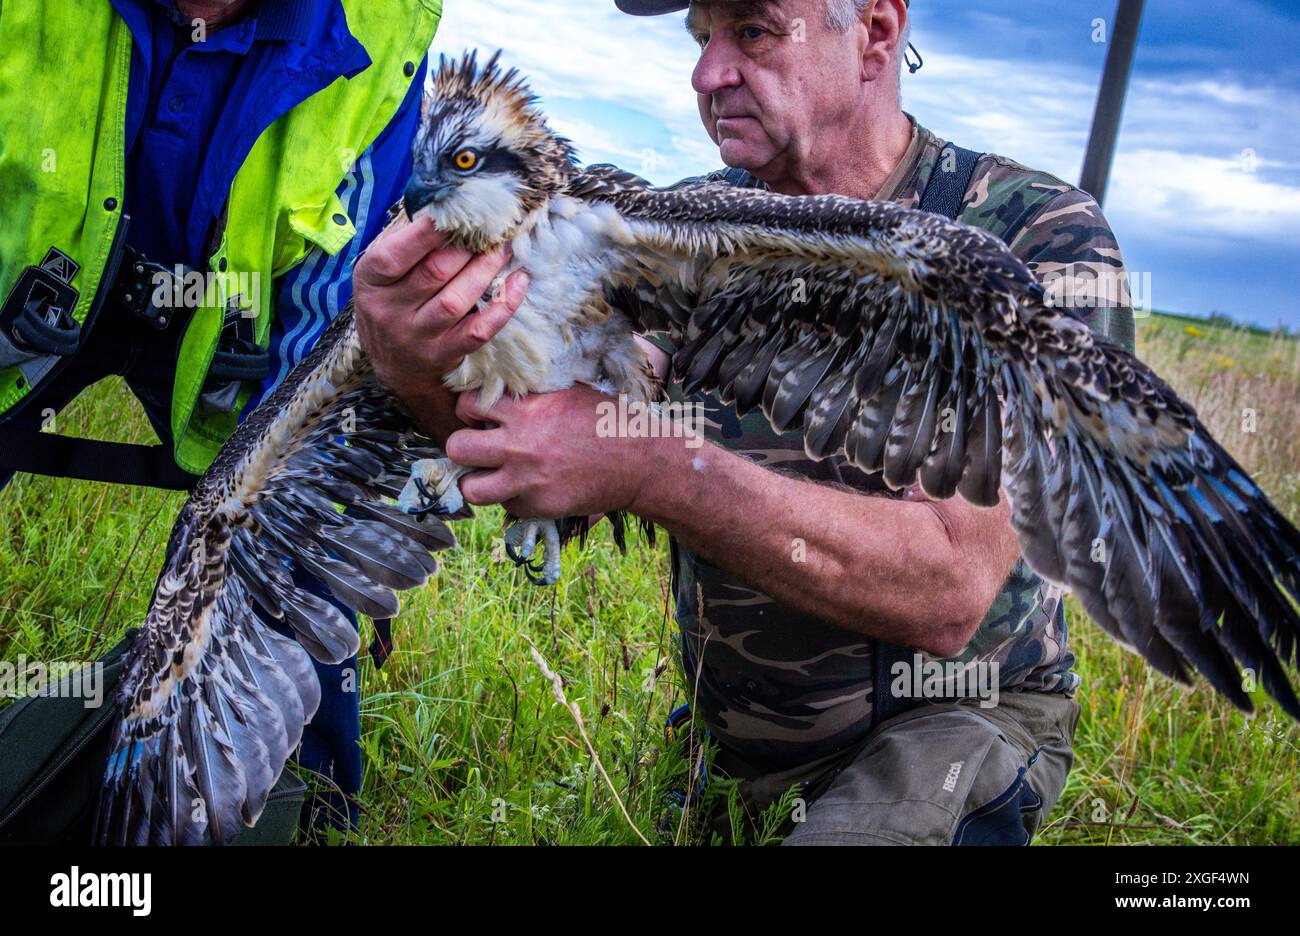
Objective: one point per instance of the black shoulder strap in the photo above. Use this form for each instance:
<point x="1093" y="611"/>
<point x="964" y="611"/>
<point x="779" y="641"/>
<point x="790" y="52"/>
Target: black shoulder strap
<point x="739" y="178"/>
<point x="949" y="180"/>
<point x="944" y="194"/>
<point x="884" y="703"/>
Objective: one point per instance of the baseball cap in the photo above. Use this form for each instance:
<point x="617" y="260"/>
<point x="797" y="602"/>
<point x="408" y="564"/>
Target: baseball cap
<point x="656" y="7"/>
<point x="651" y="7"/>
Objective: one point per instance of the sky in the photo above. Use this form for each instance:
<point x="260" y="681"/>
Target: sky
<point x="1204" y="195"/>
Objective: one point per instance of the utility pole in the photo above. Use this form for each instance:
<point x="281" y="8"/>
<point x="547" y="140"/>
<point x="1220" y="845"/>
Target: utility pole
<point x="1110" y="99"/>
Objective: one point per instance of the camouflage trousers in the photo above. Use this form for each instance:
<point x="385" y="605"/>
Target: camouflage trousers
<point x="948" y="773"/>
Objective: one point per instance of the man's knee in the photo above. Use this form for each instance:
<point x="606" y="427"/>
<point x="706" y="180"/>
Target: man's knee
<point x="950" y="774"/>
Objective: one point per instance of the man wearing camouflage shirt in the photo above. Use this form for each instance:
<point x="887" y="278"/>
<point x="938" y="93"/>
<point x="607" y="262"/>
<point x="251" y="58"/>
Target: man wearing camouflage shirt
<point x="787" y="572"/>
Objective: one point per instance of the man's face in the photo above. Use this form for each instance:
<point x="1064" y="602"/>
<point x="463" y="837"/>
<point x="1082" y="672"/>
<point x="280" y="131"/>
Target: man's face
<point x="771" y="76"/>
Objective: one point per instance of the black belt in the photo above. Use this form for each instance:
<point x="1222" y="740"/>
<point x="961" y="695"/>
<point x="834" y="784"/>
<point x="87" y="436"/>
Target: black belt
<point x="91" y="460"/>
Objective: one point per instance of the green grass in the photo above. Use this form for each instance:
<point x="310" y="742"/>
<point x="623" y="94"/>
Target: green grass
<point x="464" y="740"/>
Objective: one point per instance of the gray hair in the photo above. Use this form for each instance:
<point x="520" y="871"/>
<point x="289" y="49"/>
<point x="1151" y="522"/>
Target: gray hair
<point x="841" y="14"/>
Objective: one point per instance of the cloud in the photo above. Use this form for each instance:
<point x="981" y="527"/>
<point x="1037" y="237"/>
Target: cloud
<point x="1206" y="155"/>
<point x="1203" y="194"/>
<point x="595" y="54"/>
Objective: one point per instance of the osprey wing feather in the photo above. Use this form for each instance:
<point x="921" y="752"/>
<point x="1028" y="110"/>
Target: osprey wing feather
<point x="213" y="700"/>
<point x="922" y="349"/>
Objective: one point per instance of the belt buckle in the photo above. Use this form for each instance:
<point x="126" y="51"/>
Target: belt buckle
<point x="137" y="283"/>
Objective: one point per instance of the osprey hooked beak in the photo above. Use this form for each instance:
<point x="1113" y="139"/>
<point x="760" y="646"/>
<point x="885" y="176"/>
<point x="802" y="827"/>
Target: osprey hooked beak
<point x="421" y="191"/>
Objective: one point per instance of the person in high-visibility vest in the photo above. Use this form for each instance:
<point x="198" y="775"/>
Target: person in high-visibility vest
<point x="187" y="185"/>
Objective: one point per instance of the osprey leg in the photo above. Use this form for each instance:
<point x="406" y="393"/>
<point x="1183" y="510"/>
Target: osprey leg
<point x="521" y="542"/>
<point x="433" y="488"/>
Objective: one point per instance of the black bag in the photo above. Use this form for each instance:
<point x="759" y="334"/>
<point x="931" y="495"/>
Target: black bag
<point x="53" y="751"/>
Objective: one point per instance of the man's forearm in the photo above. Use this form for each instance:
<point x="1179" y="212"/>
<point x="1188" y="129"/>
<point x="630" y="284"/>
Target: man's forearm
<point x="891" y="569"/>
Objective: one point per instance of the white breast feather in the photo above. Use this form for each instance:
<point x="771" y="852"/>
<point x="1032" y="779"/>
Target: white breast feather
<point x="567" y="253"/>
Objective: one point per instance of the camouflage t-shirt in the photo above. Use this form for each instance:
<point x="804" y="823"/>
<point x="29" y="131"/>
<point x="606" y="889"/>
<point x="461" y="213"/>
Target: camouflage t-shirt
<point x="780" y="687"/>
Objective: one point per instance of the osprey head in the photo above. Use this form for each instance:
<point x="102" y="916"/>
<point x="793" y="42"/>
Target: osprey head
<point x="484" y="157"/>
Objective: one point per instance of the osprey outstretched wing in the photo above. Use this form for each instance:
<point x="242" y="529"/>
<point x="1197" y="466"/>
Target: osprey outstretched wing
<point x="922" y="348"/>
<point x="213" y="701"/>
<point x="919" y="347"/>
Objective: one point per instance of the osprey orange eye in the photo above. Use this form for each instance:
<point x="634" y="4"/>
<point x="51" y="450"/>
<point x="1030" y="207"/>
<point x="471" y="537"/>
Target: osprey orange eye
<point x="466" y="159"/>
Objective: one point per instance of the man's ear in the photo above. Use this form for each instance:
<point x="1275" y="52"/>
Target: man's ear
<point x="885" y="21"/>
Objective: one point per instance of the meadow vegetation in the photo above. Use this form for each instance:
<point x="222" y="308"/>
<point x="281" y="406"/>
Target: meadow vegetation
<point x="465" y="740"/>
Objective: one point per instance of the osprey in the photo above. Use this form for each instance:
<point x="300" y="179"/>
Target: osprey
<point x="924" y="351"/>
